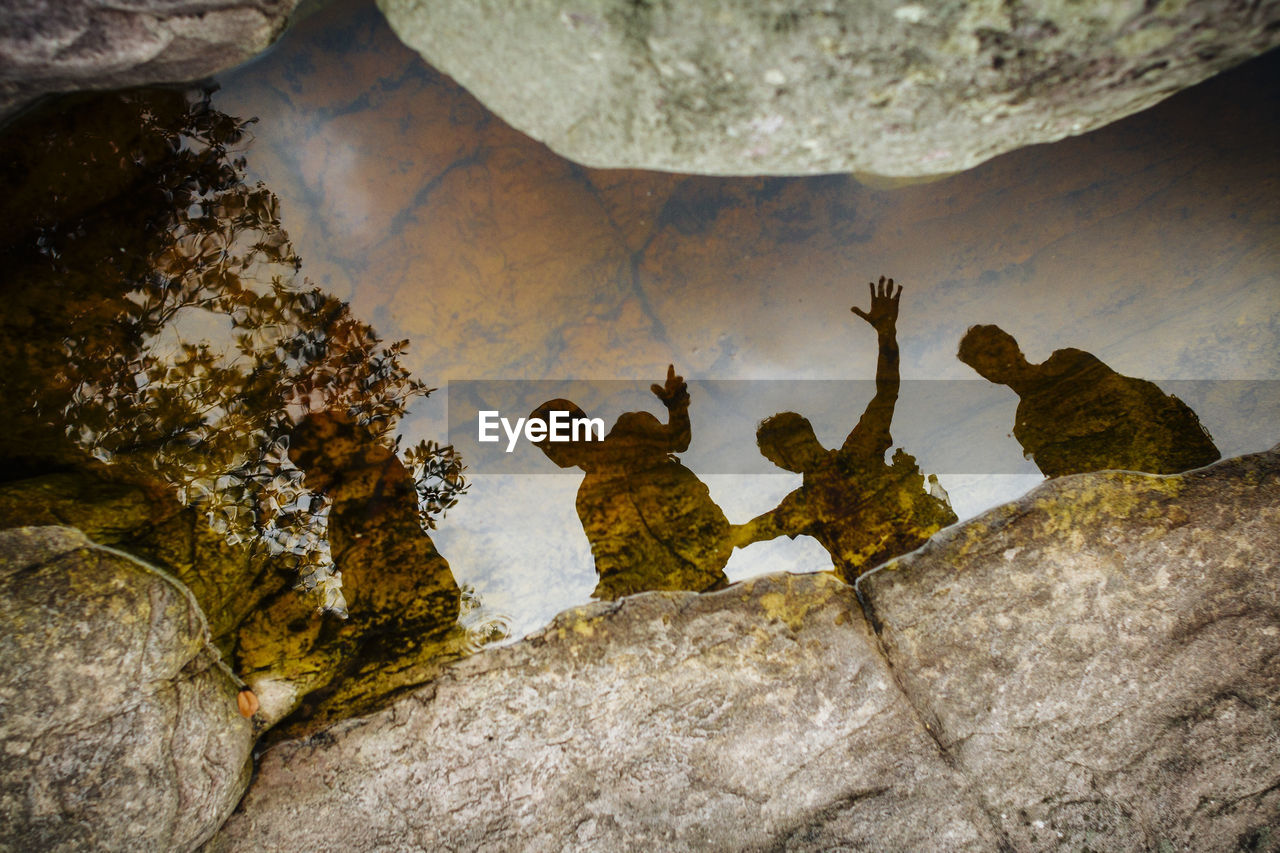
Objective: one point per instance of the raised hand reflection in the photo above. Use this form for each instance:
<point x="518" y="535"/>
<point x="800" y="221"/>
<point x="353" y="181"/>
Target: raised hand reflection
<point x="1076" y="414"/>
<point x="651" y="522"/>
<point x="862" y="509"/>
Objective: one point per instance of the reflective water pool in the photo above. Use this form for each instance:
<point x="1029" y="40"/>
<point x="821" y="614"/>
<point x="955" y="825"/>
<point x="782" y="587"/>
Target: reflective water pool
<point x="219" y="304"/>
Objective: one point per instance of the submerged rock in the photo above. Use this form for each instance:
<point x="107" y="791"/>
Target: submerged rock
<point x="801" y="87"/>
<point x="96" y="44"/>
<point x="1100" y="657"/>
<point x="120" y="728"/>
<point x="228" y="581"/>
<point x="1092" y="666"/>
<point x="759" y="715"/>
<point x="306" y="665"/>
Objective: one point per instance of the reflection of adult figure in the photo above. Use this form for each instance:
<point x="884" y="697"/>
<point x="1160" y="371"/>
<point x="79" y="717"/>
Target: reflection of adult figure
<point x="651" y="522"/>
<point x="391" y="570"/>
<point x="402" y="600"/>
<point x="862" y="509"/>
<point x="1076" y="414"/>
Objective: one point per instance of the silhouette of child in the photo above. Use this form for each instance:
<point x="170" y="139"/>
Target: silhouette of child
<point x="650" y="521"/>
<point x="863" y="510"/>
<point x="1075" y="414"/>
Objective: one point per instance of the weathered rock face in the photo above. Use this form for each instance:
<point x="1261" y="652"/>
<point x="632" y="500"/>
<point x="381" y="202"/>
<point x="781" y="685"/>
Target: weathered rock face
<point x="757" y="715"/>
<point x="309" y="666"/>
<point x="728" y="87"/>
<point x="56" y="46"/>
<point x="227" y="580"/>
<point x="1101" y="657"/>
<point x="1091" y="667"/>
<point x="119" y="727"/>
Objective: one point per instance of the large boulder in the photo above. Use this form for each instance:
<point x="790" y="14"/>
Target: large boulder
<point x="120" y="728"/>
<point x="65" y="45"/>
<point x="1090" y="667"/>
<point x="891" y="87"/>
<point x="147" y="521"/>
<point x="757" y="716"/>
<point x="1102" y="657"/>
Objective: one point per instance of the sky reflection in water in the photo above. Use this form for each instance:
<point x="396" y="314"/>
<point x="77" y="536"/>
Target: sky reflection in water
<point x="1153" y="244"/>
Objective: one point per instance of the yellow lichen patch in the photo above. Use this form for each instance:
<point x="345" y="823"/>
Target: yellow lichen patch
<point x="792" y="609"/>
<point x="1096" y="498"/>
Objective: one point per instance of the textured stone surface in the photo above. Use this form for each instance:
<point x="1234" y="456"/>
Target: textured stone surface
<point x="227" y="580"/>
<point x="57" y="46"/>
<point x="756" y="716"/>
<point x="300" y="661"/>
<point x="1091" y="667"/>
<point x="1102" y="657"/>
<point x="119" y="726"/>
<point x="733" y="87"/>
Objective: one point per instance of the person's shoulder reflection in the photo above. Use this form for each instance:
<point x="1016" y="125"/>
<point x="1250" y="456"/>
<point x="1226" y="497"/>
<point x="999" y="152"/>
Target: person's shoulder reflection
<point x="651" y="522"/>
<point x="1076" y="414"/>
<point x="862" y="509"/>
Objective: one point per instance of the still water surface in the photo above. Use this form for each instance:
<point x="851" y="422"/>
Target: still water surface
<point x="517" y="277"/>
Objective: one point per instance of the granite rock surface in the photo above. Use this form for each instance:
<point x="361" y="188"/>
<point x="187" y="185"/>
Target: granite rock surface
<point x="1090" y="667"/>
<point x="1102" y="657"/>
<point x="58" y="46"/>
<point x="730" y="87"/>
<point x="757" y="716"/>
<point x="119" y="727"/>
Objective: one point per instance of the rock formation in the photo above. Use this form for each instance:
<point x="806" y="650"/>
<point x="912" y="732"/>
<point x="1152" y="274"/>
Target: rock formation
<point x="305" y="665"/>
<point x="805" y="87"/>
<point x="59" y="46"/>
<point x="1090" y="666"/>
<point x="761" y="713"/>
<point x="1101" y="657"/>
<point x="119" y="727"/>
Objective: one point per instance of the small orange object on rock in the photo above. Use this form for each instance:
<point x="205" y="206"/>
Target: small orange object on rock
<point x="247" y="702"/>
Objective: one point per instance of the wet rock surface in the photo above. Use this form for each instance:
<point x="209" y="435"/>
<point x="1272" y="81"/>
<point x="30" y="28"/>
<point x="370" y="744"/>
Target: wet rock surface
<point x="59" y="46"/>
<point x="305" y="665"/>
<point x="119" y="726"/>
<point x="1090" y="667"/>
<point x="760" y="715"/>
<point x="1111" y="681"/>
<point x="890" y="88"/>
<point x="228" y="581"/>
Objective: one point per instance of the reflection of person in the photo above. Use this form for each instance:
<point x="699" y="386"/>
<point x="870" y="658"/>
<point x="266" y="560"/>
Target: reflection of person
<point x="402" y="601"/>
<point x="391" y="570"/>
<point x="862" y="509"/>
<point x="651" y="522"/>
<point x="1076" y="414"/>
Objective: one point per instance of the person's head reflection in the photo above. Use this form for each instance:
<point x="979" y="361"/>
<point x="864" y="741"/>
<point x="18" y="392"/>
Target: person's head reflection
<point x="788" y="441"/>
<point x="995" y="355"/>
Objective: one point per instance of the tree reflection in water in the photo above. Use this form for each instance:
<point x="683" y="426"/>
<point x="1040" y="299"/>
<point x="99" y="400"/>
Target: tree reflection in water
<point x="152" y="320"/>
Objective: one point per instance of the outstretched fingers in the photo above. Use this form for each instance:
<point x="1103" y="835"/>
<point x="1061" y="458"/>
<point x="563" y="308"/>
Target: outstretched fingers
<point x="886" y="289"/>
<point x="883" y="299"/>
